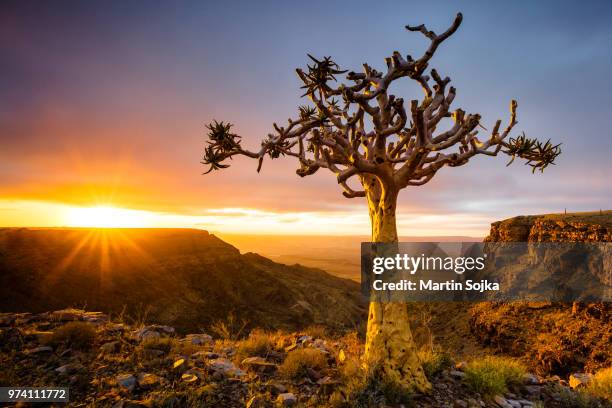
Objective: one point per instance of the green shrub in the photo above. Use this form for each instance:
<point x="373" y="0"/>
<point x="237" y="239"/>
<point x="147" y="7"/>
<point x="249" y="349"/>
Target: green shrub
<point x="364" y="388"/>
<point x="576" y="399"/>
<point x="298" y="362"/>
<point x="492" y="375"/>
<point x="77" y="335"/>
<point x="434" y="362"/>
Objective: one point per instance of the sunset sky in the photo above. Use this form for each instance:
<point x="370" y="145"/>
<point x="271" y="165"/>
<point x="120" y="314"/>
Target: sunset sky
<point x="104" y="104"/>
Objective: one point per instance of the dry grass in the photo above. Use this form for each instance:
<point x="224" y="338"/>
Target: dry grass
<point x="77" y="335"/>
<point x="601" y="384"/>
<point x="298" y="362"/>
<point x="259" y="343"/>
<point x="316" y="331"/>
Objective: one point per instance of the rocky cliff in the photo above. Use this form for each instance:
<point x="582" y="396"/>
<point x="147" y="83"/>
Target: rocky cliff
<point x="552" y="337"/>
<point x="574" y="227"/>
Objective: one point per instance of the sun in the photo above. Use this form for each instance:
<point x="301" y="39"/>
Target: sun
<point x="107" y="217"/>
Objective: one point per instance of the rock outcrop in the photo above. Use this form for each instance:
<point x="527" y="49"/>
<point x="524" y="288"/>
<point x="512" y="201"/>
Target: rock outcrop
<point x="574" y="227"/>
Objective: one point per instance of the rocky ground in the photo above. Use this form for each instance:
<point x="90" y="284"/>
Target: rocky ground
<point x="107" y="363"/>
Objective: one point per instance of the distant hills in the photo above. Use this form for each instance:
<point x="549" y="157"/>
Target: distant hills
<point x="182" y="277"/>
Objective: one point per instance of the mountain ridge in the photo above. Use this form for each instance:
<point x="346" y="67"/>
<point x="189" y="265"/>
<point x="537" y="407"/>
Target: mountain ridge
<point x="183" y="277"/>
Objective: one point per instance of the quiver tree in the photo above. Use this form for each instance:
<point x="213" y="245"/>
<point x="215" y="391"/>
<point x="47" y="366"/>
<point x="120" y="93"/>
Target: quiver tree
<point x="375" y="140"/>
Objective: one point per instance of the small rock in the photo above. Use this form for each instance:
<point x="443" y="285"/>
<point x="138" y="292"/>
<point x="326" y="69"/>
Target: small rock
<point x="70" y="368"/>
<point x="147" y="381"/>
<point x="304" y="339"/>
<point x="328" y="384"/>
<point x="287" y="399"/>
<point x="126" y="381"/>
<point x="461" y="404"/>
<point x="152" y="353"/>
<point x="189" y="377"/>
<point x="180" y="364"/>
<point x="525" y="403"/>
<point x="502" y="402"/>
<point x="461" y="365"/>
<point x="198" y="339"/>
<point x="531" y="379"/>
<point x="225" y="368"/>
<point x="205" y="355"/>
<point x="533" y="390"/>
<point x="472" y="403"/>
<point x="37" y="350"/>
<point x="259" y="364"/>
<point x="153" y="331"/>
<point x="276" y="387"/>
<point x="460" y="375"/>
<point x="579" y="380"/>
<point x="514" y="403"/>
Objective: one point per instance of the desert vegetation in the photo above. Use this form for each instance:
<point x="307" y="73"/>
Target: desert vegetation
<point x="113" y="363"/>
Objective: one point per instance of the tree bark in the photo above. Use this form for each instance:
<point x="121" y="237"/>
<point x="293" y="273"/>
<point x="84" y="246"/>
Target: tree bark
<point x="390" y="351"/>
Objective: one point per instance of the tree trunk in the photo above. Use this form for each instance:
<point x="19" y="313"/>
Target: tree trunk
<point x="390" y="351"/>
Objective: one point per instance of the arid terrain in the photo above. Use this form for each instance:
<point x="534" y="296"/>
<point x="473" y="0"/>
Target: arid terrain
<point x="181" y="318"/>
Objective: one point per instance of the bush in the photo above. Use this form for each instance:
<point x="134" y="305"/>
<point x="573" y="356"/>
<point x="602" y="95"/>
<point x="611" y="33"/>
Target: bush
<point x="601" y="384"/>
<point x="229" y="329"/>
<point x="77" y="335"/>
<point x="367" y="388"/>
<point x="434" y="362"/>
<point x="576" y="399"/>
<point x="316" y="331"/>
<point x="298" y="362"/>
<point x="259" y="343"/>
<point x="492" y="375"/>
